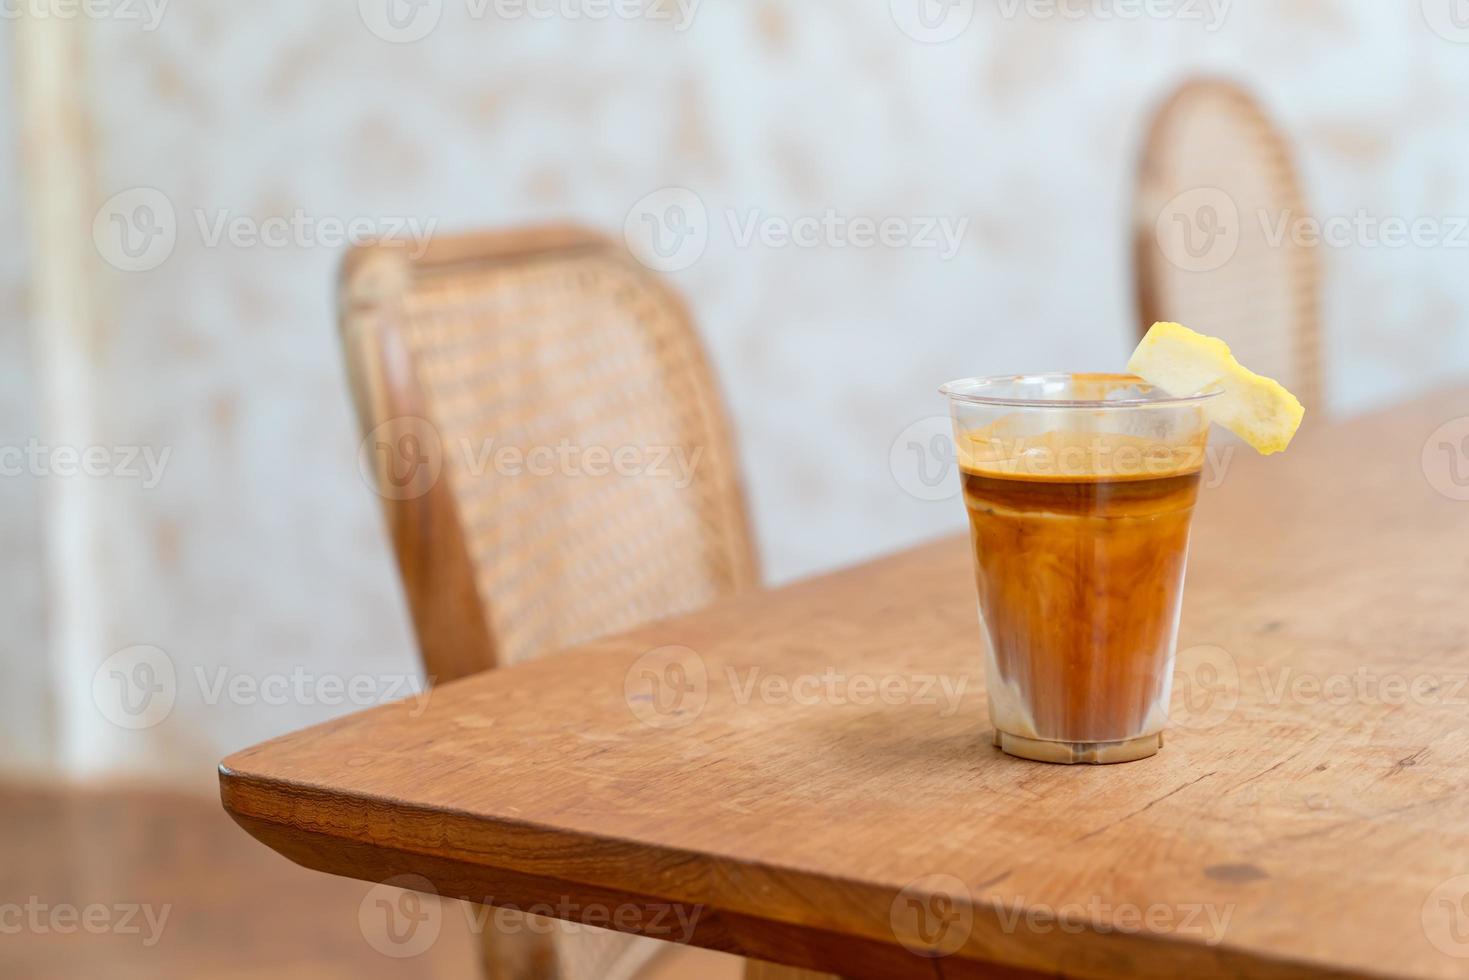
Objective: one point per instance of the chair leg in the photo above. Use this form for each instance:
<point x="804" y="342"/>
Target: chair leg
<point x="761" y="970"/>
<point x="520" y="955"/>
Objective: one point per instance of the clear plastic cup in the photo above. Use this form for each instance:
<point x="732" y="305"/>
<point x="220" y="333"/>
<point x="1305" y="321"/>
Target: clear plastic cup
<point x="1080" y="490"/>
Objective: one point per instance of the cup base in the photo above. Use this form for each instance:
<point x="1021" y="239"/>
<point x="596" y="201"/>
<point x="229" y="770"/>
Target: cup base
<point x="1079" y="753"/>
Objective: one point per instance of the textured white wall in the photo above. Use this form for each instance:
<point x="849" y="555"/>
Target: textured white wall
<point x="261" y="550"/>
<point x="27" y="724"/>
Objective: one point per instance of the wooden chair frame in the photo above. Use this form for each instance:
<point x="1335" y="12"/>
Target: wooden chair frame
<point x="1153" y="185"/>
<point x="449" y="614"/>
<point x="427" y="535"/>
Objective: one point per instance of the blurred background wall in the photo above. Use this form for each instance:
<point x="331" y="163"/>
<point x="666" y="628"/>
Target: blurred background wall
<point x="258" y="548"/>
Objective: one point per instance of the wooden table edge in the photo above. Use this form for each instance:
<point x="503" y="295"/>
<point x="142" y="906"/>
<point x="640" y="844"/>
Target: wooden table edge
<point x="470" y="877"/>
<point x="283" y="815"/>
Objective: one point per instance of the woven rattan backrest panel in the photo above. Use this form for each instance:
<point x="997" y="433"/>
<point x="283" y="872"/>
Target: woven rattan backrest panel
<point x="584" y="445"/>
<point x="1218" y="206"/>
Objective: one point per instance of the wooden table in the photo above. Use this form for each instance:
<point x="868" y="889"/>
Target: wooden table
<point x="800" y="773"/>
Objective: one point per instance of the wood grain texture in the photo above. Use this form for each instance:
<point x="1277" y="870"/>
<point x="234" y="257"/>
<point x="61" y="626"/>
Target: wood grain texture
<point x="1284" y="830"/>
<point x="760" y="970"/>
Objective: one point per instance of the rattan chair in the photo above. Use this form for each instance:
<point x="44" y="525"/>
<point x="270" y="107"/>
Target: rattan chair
<point x="472" y="367"/>
<point x="1218" y="203"/>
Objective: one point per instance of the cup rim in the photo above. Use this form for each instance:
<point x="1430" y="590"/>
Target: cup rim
<point x="971" y="390"/>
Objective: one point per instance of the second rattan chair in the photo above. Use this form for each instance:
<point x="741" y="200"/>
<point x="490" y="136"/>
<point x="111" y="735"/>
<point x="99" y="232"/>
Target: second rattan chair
<point x="1216" y="234"/>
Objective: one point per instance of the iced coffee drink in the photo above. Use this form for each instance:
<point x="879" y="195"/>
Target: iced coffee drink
<point x="1080" y="491"/>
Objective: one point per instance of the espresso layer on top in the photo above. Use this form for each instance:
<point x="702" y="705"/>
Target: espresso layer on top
<point x="1072" y="456"/>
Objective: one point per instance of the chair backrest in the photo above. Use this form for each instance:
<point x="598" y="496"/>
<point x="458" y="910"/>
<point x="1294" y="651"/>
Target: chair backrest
<point x="1221" y="234"/>
<point x="553" y="459"/>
